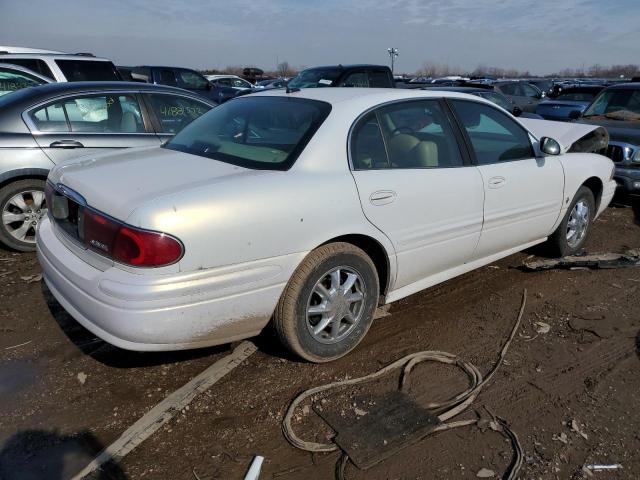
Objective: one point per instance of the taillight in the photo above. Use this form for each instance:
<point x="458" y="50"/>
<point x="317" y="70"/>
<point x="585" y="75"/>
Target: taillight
<point x="128" y="245"/>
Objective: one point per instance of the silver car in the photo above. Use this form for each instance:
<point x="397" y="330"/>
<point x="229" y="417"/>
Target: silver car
<point x="45" y="125"/>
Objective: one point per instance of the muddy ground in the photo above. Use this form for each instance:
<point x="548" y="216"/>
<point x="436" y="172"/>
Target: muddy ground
<point x="584" y="369"/>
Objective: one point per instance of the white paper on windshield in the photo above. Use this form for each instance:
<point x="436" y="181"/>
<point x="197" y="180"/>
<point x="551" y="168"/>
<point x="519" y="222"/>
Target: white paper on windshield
<point x="324" y="81"/>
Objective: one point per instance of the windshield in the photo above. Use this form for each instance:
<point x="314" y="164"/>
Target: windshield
<point x="264" y="133"/>
<point x="316" y="77"/>
<point x="88" y="70"/>
<point x="575" y="96"/>
<point x="497" y="99"/>
<point x="616" y="104"/>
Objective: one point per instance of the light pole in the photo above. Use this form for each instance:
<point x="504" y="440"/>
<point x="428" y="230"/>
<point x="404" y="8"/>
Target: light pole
<point x="393" y="54"/>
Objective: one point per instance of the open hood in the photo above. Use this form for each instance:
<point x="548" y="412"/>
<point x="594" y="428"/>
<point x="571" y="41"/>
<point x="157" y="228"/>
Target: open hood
<point x="572" y="137"/>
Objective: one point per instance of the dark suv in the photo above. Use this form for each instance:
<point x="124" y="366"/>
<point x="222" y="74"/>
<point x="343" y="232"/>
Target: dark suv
<point x="617" y="108"/>
<point x="183" y="78"/>
<point x="373" y="76"/>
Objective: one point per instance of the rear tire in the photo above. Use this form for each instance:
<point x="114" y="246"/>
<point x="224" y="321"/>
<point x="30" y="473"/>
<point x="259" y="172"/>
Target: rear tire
<point x="328" y="305"/>
<point x="574" y="229"/>
<point x="22" y="206"/>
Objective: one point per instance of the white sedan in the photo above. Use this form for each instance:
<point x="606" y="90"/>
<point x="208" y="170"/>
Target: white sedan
<point x="309" y="209"/>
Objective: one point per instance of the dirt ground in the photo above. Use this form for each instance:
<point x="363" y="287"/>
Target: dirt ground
<point x="64" y="395"/>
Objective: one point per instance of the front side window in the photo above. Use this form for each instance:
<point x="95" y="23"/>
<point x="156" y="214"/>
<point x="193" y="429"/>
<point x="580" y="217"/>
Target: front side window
<point x="264" y="133"/>
<point x="355" y="79"/>
<point x="91" y="114"/>
<point x="530" y="91"/>
<point x="88" y="70"/>
<point x="510" y="89"/>
<point x="176" y="112"/>
<point x="192" y="80"/>
<point x="12" y="80"/>
<point x="379" y="79"/>
<point x="415" y="134"/>
<point x="498" y="99"/>
<point x="494" y="136"/>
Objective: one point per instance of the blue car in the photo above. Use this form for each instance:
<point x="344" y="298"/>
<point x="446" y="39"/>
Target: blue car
<point x="569" y="100"/>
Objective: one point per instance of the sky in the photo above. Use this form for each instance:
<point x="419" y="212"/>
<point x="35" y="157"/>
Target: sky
<point x="541" y="36"/>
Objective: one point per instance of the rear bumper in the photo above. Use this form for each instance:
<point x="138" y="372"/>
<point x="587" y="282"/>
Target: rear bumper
<point x="147" y="312"/>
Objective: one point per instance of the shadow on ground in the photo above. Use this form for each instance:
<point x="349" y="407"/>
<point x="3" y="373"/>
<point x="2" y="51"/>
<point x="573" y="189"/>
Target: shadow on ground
<point x="40" y="454"/>
<point x="113" y="356"/>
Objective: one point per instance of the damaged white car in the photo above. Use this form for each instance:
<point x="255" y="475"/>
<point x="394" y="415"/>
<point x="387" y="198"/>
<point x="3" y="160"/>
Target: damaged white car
<point x="309" y="209"/>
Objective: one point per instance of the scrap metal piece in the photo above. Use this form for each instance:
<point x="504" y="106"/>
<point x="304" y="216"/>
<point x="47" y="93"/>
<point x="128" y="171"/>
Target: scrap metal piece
<point x="392" y="422"/>
<point x="631" y="258"/>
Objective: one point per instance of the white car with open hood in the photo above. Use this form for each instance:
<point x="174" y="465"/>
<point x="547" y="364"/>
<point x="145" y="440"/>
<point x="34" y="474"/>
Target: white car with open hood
<point x="309" y="209"/>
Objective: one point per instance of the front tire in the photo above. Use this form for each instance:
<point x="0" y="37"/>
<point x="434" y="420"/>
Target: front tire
<point x="22" y="206"/>
<point x="572" y="232"/>
<point x="328" y="305"/>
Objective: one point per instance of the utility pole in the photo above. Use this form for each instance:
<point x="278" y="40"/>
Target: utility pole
<point x="393" y="54"/>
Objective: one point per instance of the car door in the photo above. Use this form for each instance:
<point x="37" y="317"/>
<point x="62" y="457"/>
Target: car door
<point x="513" y="93"/>
<point x="172" y="112"/>
<point x="417" y="187"/>
<point x="523" y="193"/>
<point x="89" y="124"/>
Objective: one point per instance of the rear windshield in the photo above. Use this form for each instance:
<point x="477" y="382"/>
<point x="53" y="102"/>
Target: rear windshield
<point x="315" y="77"/>
<point x="265" y="133"/>
<point x="88" y="70"/>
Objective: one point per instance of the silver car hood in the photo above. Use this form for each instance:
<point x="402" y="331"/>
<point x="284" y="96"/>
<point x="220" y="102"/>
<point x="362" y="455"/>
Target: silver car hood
<point x="565" y="133"/>
<point x="118" y="183"/>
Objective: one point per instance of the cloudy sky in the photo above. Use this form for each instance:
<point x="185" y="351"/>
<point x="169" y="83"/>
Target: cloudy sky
<point x="542" y="36"/>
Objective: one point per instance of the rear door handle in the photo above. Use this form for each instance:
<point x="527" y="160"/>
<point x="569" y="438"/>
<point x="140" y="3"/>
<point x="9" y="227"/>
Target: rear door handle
<point x="382" y="197"/>
<point x="497" y="182"/>
<point x="66" y="144"/>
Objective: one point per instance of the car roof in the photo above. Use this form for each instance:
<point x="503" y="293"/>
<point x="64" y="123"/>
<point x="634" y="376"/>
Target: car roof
<point x="165" y="66"/>
<point x="348" y="67"/>
<point x="625" y="86"/>
<point x="461" y="89"/>
<point x="58" y="56"/>
<point x="339" y="95"/>
<point x="30" y="95"/>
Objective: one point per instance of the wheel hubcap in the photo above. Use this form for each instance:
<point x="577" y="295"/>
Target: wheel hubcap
<point x="578" y="223"/>
<point x="336" y="305"/>
<point x="22" y="213"/>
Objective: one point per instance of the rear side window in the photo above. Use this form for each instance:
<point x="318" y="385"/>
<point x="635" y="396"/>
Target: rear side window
<point x="176" y="112"/>
<point x="77" y="70"/>
<point x="91" y="114"/>
<point x="10" y="81"/>
<point x="355" y="79"/>
<point x="38" y="66"/>
<point x="168" y="77"/>
<point x="494" y="136"/>
<point x="379" y="79"/>
<point x="265" y="133"/>
<point x="192" y="80"/>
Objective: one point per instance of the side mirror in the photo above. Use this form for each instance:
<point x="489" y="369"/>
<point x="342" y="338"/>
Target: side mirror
<point x="549" y="146"/>
<point x="575" y="114"/>
<point x="517" y="111"/>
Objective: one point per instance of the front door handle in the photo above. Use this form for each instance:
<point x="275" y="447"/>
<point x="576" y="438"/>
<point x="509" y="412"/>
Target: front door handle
<point x="382" y="197"/>
<point x="497" y="182"/>
<point x="66" y="144"/>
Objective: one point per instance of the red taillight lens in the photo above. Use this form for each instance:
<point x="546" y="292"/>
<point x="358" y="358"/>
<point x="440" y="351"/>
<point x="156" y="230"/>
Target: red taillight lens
<point x="145" y="248"/>
<point x="128" y="245"/>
